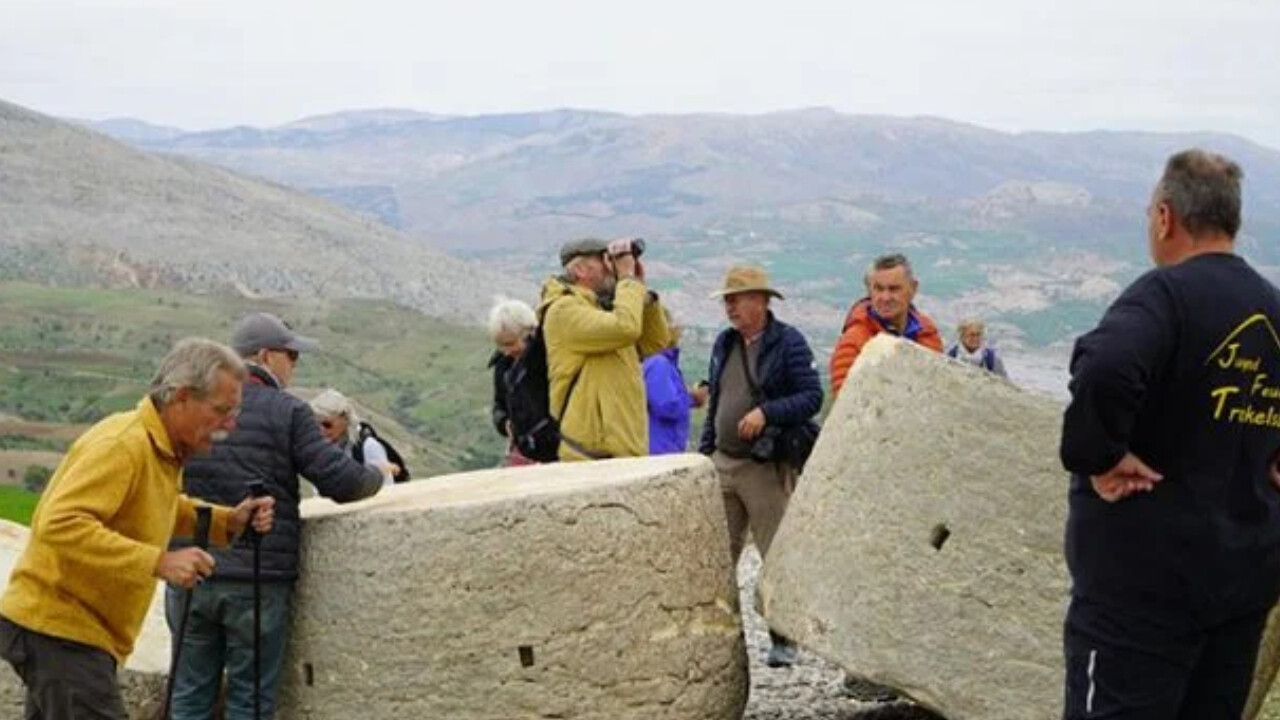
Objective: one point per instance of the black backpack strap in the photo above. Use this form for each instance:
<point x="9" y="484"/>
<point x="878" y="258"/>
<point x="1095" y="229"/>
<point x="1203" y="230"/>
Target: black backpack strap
<point x="542" y="317"/>
<point x="357" y="448"/>
<point x="366" y="432"/>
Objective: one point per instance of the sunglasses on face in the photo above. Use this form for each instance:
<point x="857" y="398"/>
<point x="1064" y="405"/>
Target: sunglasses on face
<point x="291" y="354"/>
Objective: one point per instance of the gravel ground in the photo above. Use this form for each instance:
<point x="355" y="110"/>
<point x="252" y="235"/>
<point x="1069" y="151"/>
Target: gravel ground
<point x="812" y="688"/>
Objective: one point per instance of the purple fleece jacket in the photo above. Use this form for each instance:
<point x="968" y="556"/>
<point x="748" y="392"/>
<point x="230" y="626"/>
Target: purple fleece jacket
<point x="669" y="403"/>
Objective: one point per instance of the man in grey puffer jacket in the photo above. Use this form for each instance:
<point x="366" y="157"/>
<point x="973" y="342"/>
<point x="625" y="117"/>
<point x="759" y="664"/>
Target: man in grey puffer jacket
<point x="276" y="439"/>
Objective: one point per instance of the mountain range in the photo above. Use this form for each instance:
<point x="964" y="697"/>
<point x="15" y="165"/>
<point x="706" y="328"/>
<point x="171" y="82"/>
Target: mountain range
<point x="537" y="178"/>
<point x="1036" y="232"/>
<point x="81" y="208"/>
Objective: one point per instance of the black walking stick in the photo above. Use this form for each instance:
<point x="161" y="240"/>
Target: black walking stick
<point x="257" y="489"/>
<point x="204" y="515"/>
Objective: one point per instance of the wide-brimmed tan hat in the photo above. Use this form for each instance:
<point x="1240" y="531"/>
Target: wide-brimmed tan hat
<point x="746" y="278"/>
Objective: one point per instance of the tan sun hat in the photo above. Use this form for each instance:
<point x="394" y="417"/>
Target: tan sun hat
<point x="746" y="278"/>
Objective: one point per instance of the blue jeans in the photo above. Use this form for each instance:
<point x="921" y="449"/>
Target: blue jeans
<point x="219" y="636"/>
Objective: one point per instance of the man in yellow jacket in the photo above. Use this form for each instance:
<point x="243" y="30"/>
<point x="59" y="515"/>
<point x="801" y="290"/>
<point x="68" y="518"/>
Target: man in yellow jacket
<point x="594" y="349"/>
<point x="78" y="594"/>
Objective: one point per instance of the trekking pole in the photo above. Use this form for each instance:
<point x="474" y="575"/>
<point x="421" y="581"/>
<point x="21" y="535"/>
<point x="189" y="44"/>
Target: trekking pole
<point x="204" y="515"/>
<point x="257" y="489"/>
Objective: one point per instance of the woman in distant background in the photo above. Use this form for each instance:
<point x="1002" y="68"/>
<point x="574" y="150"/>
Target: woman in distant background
<point x="670" y="400"/>
<point x="520" y="411"/>
<point x="340" y="426"/>
<point x="973" y="349"/>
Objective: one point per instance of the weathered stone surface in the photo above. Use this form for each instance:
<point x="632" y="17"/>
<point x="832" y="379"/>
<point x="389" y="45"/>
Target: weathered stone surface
<point x="583" y="590"/>
<point x="917" y="443"/>
<point x="1264" y="673"/>
<point x="141" y="680"/>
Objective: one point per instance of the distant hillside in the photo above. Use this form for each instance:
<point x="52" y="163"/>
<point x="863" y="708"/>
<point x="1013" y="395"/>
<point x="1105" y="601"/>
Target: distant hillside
<point x="69" y="356"/>
<point x="132" y="129"/>
<point x="501" y="180"/>
<point x="1035" y="232"/>
<point x="81" y="208"/>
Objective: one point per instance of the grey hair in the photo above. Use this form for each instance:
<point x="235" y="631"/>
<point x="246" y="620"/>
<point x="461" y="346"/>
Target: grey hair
<point x="1203" y="189"/>
<point x="194" y="363"/>
<point x="971" y="323"/>
<point x="889" y="262"/>
<point x="512" y="316"/>
<point x="332" y="403"/>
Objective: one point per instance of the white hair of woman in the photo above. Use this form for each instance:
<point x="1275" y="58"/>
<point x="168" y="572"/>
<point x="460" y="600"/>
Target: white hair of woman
<point x="340" y="425"/>
<point x="510" y="317"/>
<point x="333" y="405"/>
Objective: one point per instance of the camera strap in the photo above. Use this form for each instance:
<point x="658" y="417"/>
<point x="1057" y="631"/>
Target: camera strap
<point x="757" y="395"/>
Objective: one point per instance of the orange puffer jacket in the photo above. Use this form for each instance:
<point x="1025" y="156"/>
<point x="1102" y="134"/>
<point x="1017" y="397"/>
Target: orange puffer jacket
<point x="860" y="325"/>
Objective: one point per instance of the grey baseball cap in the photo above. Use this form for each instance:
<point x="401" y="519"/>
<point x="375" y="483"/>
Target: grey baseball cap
<point x="585" y="246"/>
<point x="264" y="331"/>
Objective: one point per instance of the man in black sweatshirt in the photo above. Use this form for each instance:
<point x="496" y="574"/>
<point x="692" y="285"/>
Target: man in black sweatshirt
<point x="1173" y="531"/>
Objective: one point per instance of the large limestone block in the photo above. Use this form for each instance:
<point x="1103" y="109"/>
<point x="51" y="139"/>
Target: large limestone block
<point x="143" y="676"/>
<point x="1262" y="694"/>
<point x="578" y="590"/>
<point x="918" y="448"/>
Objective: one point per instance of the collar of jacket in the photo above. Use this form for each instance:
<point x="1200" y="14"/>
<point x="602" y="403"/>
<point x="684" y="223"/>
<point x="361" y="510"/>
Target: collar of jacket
<point x="769" y="337"/>
<point x="149" y="416"/>
<point x="259" y="375"/>
<point x="557" y="287"/>
<point x="910" y="332"/>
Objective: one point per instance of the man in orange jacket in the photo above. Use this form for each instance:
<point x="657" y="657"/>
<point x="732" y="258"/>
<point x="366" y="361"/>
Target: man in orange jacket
<point x="891" y="286"/>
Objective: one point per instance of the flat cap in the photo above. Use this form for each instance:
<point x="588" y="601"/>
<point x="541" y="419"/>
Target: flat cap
<point x="585" y="246"/>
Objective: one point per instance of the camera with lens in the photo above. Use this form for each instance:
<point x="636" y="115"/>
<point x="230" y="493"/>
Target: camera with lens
<point x="766" y="445"/>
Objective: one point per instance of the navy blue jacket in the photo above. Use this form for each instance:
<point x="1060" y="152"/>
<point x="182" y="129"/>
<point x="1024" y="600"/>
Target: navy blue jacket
<point x="276" y="439"/>
<point x="786" y="374"/>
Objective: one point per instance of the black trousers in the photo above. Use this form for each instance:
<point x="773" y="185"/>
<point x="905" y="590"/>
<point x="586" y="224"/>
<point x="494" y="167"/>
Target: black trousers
<point x="65" y="680"/>
<point x="1124" y="665"/>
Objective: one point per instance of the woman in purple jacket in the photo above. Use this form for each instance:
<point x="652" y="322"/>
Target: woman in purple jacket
<point x="669" y="399"/>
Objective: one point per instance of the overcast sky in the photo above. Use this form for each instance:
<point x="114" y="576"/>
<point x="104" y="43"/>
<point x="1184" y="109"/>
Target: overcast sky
<point x="1007" y="64"/>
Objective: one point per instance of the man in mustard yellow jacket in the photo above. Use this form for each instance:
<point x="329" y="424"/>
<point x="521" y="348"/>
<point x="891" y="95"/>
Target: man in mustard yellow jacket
<point x="78" y="594"/>
<point x="594" y="349"/>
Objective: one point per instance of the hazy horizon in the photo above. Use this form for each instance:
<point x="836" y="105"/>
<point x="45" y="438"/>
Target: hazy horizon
<point x="1162" y="66"/>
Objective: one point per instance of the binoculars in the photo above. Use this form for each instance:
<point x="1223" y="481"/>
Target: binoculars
<point x="635" y="247"/>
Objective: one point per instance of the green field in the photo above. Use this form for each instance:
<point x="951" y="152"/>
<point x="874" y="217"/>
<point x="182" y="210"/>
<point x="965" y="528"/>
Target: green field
<point x="74" y="355"/>
<point x="17" y="504"/>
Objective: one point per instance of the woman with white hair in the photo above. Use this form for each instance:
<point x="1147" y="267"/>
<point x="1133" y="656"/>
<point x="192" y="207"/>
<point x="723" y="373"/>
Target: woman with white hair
<point x="340" y="426"/>
<point x="520" y="385"/>
<point x="972" y="349"/>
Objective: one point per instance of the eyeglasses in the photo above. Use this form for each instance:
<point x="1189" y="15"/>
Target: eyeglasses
<point x="291" y="354"/>
<point x="227" y="411"/>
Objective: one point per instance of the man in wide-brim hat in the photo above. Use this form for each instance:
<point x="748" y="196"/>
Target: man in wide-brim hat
<point x="746" y="279"/>
<point x="763" y="384"/>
